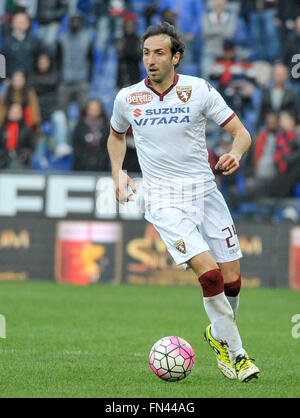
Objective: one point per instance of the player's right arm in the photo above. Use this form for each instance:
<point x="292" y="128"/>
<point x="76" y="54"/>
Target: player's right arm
<point x="217" y="109"/>
<point x="116" y="146"/>
<point x="230" y="162"/>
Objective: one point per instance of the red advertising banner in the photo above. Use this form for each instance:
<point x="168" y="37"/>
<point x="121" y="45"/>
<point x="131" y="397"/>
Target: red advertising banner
<point x="295" y="258"/>
<point x="88" y="252"/>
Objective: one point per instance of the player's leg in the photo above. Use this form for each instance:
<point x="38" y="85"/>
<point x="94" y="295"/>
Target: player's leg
<point x="186" y="243"/>
<point x="244" y="366"/>
<point x="219" y="232"/>
<point x="202" y="263"/>
<point x="232" y="282"/>
<point x="222" y="335"/>
<point x="223" y="327"/>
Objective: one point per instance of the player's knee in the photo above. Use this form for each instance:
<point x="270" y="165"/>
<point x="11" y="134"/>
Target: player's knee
<point x="212" y="283"/>
<point x="232" y="287"/>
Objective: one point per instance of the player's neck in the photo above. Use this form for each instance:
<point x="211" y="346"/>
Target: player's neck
<point x="162" y="86"/>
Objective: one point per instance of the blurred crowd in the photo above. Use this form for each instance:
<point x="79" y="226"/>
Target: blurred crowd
<point x="56" y="52"/>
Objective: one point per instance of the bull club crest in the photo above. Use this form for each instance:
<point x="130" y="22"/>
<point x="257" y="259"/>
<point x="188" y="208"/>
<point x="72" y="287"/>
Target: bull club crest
<point x="180" y="246"/>
<point x="184" y="93"/>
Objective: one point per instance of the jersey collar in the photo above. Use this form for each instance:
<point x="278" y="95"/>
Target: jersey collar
<point x="162" y="95"/>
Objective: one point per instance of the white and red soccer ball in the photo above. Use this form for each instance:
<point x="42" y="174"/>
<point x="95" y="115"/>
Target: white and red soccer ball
<point x="171" y="358"/>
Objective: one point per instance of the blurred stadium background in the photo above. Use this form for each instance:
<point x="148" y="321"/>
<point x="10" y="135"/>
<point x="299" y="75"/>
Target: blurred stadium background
<point x="58" y="217"/>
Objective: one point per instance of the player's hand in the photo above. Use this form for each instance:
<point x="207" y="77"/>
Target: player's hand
<point x="228" y="163"/>
<point x="122" y="181"/>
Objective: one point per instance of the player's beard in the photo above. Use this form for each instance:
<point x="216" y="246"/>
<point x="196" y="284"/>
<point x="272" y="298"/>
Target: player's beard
<point x="162" y="74"/>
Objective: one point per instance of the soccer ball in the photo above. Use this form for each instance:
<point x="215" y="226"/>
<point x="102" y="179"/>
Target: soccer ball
<point x="171" y="358"/>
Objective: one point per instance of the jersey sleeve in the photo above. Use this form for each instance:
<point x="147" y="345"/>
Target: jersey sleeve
<point x="118" y="121"/>
<point x="216" y="108"/>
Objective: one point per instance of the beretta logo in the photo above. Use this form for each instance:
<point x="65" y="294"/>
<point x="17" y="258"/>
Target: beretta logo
<point x="139" y="98"/>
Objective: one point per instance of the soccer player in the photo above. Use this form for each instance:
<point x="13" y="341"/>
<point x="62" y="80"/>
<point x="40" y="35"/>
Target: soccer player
<point x="167" y="112"/>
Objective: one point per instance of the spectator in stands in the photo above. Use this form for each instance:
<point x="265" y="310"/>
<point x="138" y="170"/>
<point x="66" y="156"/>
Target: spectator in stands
<point x="287" y="11"/>
<point x="131" y="163"/>
<point x="109" y="20"/>
<point x="49" y="14"/>
<point x="150" y="10"/>
<point x="236" y="79"/>
<point x="15" y="6"/>
<point x="5" y="19"/>
<point x="287" y="155"/>
<point x="167" y="15"/>
<point x="75" y="64"/>
<point x="264" y="150"/>
<point x="291" y="53"/>
<point x="187" y="20"/>
<point x="20" y="47"/>
<point x="16" y="139"/>
<point x="264" y="28"/>
<point x="276" y="157"/>
<point x="45" y="82"/>
<point x="287" y="146"/>
<point x="225" y="182"/>
<point x="218" y="25"/>
<point x="72" y="6"/>
<point x="20" y="92"/>
<point x="291" y="47"/>
<point x="279" y="96"/>
<point x="90" y="139"/>
<point x="129" y="54"/>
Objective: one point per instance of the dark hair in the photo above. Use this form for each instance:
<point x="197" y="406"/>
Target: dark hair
<point x="21" y="11"/>
<point x="24" y="92"/>
<point x="6" y="119"/>
<point x="89" y="101"/>
<point x="165" y="28"/>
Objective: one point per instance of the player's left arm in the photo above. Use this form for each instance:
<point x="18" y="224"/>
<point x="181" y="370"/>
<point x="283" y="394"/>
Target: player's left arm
<point x="230" y="162"/>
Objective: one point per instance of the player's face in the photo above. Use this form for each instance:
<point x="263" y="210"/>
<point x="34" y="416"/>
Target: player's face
<point x="158" y="59"/>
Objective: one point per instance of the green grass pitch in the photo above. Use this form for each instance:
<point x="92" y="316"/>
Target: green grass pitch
<point x="68" y="341"/>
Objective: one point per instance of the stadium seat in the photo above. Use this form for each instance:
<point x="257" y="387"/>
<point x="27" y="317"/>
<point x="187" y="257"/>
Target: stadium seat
<point x="190" y="68"/>
<point x="73" y="111"/>
<point x="143" y="70"/>
<point x="141" y="25"/>
<point x="249" y="120"/>
<point x="47" y="129"/>
<point x="241" y="183"/>
<point x="34" y="27"/>
<point x="254" y="209"/>
<point x="44" y="161"/>
<point x="64" y="25"/>
<point x="3" y="87"/>
<point x="241" y="37"/>
<point x="297" y="190"/>
<point x="98" y="60"/>
<point x="287" y="213"/>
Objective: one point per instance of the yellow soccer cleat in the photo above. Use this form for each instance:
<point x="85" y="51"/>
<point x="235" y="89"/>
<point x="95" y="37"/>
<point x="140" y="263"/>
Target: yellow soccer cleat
<point x="223" y="359"/>
<point x="246" y="369"/>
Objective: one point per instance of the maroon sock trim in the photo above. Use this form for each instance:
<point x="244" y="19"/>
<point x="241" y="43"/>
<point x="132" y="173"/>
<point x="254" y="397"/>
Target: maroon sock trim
<point x="233" y="288"/>
<point x="212" y="283"/>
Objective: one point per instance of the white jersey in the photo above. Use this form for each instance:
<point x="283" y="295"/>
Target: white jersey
<point x="169" y="129"/>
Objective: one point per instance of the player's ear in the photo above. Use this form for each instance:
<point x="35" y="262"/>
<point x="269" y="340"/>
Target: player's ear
<point x="176" y="58"/>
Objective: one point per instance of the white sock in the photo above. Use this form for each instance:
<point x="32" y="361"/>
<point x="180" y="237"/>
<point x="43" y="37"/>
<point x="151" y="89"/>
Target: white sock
<point x="234" y="302"/>
<point x="223" y="326"/>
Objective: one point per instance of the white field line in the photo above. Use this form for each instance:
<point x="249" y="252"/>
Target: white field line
<point x="69" y="352"/>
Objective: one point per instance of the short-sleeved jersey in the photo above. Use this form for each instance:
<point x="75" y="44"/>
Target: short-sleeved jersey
<point x="169" y="128"/>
